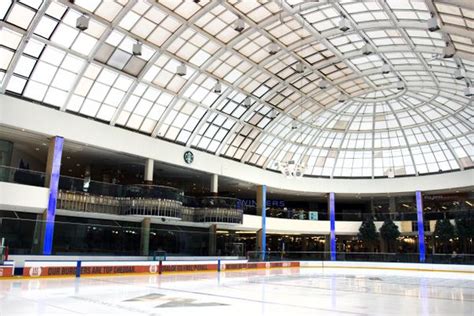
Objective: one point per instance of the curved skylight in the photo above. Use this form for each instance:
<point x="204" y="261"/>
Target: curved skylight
<point x="378" y="99"/>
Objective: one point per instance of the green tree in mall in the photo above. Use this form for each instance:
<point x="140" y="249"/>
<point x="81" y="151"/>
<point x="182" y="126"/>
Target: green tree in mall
<point x="443" y="233"/>
<point x="465" y="232"/>
<point x="389" y="233"/>
<point x="368" y="234"/>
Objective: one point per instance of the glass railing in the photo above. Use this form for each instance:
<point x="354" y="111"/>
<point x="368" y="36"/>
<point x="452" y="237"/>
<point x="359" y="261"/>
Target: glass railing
<point x="92" y="237"/>
<point x="22" y="176"/>
<point x="395" y="216"/>
<point x="360" y="256"/>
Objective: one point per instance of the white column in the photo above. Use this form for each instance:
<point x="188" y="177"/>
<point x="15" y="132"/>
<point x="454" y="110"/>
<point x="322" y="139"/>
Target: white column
<point x="149" y="165"/>
<point x="215" y="184"/>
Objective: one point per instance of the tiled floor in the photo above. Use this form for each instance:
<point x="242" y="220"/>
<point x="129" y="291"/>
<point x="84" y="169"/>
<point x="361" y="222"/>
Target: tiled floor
<point x="288" y="292"/>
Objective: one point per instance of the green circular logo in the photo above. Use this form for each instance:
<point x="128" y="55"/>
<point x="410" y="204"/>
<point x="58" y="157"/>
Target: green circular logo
<point x="188" y="157"/>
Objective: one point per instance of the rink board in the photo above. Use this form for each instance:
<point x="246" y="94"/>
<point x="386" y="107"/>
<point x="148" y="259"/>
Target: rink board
<point x="70" y="268"/>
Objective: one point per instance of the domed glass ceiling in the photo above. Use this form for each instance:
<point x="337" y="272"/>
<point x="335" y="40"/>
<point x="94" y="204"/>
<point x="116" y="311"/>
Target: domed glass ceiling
<point x="399" y="110"/>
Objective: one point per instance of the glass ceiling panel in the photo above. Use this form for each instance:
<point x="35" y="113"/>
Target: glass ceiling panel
<point x="360" y="124"/>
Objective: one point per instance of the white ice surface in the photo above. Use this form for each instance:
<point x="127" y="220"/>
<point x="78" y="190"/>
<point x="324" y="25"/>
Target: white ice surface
<point x="288" y="292"/>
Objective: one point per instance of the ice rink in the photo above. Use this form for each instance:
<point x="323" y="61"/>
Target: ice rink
<point x="289" y="292"/>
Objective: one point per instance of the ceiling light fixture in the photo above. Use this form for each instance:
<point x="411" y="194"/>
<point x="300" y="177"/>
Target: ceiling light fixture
<point x="82" y="22"/>
<point x="448" y="51"/>
<point x="400" y="85"/>
<point x="299" y="68"/>
<point x="469" y="91"/>
<point x="137" y="49"/>
<point x="344" y="24"/>
<point x="218" y="87"/>
<point x="323" y="84"/>
<point x="367" y="50"/>
<point x="247" y="102"/>
<point x="181" y="70"/>
<point x="239" y="25"/>
<point x="459" y="74"/>
<point x="273" y="48"/>
<point x="433" y="25"/>
<point x="385" y="68"/>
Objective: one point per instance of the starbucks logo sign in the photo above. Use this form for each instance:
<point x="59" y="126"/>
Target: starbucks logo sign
<point x="188" y="157"/>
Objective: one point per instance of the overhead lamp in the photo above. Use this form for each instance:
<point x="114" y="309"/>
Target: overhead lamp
<point x="344" y="24"/>
<point x="323" y="84"/>
<point x="299" y="68"/>
<point x="385" y="68"/>
<point x="294" y="125"/>
<point x="181" y="70"/>
<point x="247" y="102"/>
<point x="273" y="48"/>
<point x="367" y="49"/>
<point x="196" y="1"/>
<point x="82" y="22"/>
<point x="137" y="49"/>
<point x="239" y="25"/>
<point x="342" y="99"/>
<point x="218" y="87"/>
<point x="459" y="74"/>
<point x="433" y="25"/>
<point x="273" y="114"/>
<point x="400" y="85"/>
<point x="448" y="51"/>
<point x="469" y="91"/>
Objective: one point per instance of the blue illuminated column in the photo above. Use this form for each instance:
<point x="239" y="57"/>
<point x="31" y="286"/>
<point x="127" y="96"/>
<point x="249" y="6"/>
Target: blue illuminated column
<point x="421" y="228"/>
<point x="332" y="221"/>
<point x="52" y="181"/>
<point x="262" y="211"/>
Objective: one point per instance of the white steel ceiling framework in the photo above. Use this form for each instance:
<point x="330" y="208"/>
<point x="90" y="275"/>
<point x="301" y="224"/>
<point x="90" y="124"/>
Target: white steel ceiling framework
<point x="362" y="125"/>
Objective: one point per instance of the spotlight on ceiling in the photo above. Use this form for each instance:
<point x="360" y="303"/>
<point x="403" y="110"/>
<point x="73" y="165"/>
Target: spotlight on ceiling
<point x="400" y="85"/>
<point x="137" y="49"/>
<point x="367" y="49"/>
<point x="299" y="68"/>
<point x="181" y="70"/>
<point x="247" y="102"/>
<point x="344" y="24"/>
<point x="218" y="87"/>
<point x="448" y="51"/>
<point x="82" y="22"/>
<point x="459" y="74"/>
<point x="273" y="114"/>
<point x="294" y="125"/>
<point x="342" y="99"/>
<point x="323" y="84"/>
<point x="469" y="91"/>
<point x="273" y="48"/>
<point x="433" y="24"/>
<point x="385" y="68"/>
<point x="239" y="25"/>
<point x="196" y="1"/>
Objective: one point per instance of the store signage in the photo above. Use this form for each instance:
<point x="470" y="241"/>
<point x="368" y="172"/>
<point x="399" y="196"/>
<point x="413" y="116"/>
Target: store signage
<point x="188" y="157"/>
<point x="270" y="203"/>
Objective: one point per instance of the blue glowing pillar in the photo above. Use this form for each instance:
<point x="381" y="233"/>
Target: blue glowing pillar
<point x="332" y="220"/>
<point x="262" y="211"/>
<point x="52" y="181"/>
<point x="421" y="228"/>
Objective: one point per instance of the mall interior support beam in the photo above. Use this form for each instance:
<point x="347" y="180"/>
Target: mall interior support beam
<point x="262" y="211"/>
<point x="53" y="168"/>
<point x="149" y="165"/>
<point x="332" y="222"/>
<point x="212" y="240"/>
<point x="145" y="237"/>
<point x="214" y="184"/>
<point x="421" y="227"/>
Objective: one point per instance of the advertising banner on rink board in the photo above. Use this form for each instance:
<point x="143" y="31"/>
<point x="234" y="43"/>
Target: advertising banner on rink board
<point x="49" y="268"/>
<point x="6" y="271"/>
